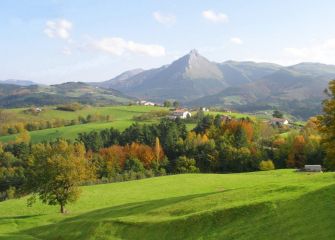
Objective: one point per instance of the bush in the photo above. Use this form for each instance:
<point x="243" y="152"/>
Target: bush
<point x="11" y="192"/>
<point x="151" y="115"/>
<point x="266" y="165"/>
<point x="133" y="164"/>
<point x="71" y="107"/>
<point x="186" y="165"/>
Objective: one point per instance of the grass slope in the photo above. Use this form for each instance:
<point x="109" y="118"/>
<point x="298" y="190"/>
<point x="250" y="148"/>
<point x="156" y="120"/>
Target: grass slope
<point x="122" y="117"/>
<point x="279" y="204"/>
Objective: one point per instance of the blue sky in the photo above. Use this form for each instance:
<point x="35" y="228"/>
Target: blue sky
<point x="94" y="40"/>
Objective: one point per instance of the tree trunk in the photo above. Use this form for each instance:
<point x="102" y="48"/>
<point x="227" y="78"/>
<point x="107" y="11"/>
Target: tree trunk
<point x="62" y="209"/>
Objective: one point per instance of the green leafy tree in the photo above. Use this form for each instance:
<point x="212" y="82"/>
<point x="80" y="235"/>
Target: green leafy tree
<point x="167" y="103"/>
<point x="327" y="126"/>
<point x="133" y="164"/>
<point x="11" y="174"/>
<point x="241" y="139"/>
<point x="186" y="165"/>
<point x="57" y="170"/>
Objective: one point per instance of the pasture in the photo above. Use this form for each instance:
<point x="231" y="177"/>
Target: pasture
<point x="121" y="118"/>
<point x="279" y="204"/>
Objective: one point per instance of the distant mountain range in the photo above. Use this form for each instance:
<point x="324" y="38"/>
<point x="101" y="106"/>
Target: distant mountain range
<point x="245" y="86"/>
<point x="194" y="81"/>
<point x="18" y="82"/>
<point x="18" y="96"/>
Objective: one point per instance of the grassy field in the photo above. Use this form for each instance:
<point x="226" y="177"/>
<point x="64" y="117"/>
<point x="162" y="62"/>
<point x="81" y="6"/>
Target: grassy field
<point x="122" y="117"/>
<point x="116" y="112"/>
<point x="280" y="204"/>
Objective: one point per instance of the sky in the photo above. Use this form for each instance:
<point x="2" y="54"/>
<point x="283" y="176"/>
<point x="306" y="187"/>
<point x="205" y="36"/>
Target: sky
<point x="54" y="41"/>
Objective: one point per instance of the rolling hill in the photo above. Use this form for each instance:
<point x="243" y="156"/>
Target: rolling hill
<point x="19" y="96"/>
<point x="279" y="204"/>
<point x="121" y="117"/>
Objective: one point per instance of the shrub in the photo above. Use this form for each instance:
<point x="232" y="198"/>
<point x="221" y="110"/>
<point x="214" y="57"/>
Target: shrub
<point x="266" y="165"/>
<point x="151" y="115"/>
<point x="133" y="164"/>
<point x="11" y="191"/>
<point x="72" y="107"/>
<point x="186" y="165"/>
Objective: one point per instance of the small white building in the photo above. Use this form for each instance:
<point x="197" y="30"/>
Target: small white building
<point x="180" y="113"/>
<point x="204" y="109"/>
<point x="149" y="104"/>
<point x="146" y="103"/>
<point x="279" y="122"/>
<point x="313" y="168"/>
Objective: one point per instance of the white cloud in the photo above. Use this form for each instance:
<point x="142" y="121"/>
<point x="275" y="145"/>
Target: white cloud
<point x="60" y="28"/>
<point x="320" y="52"/>
<point x="166" y="19"/>
<point x="119" y="46"/>
<point x="67" y="51"/>
<point x="214" y="16"/>
<point x="236" y="40"/>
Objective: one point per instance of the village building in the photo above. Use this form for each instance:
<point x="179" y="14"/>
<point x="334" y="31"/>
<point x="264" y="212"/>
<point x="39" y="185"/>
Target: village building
<point x="180" y="113"/>
<point x="279" y="122"/>
<point x="146" y="103"/>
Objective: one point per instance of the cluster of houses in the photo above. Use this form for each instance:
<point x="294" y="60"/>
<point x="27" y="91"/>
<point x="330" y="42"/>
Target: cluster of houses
<point x="184" y="113"/>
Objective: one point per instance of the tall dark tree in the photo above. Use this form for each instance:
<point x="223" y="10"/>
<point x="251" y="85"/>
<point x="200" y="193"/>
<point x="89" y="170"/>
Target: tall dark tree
<point x="176" y="104"/>
<point x="277" y="114"/>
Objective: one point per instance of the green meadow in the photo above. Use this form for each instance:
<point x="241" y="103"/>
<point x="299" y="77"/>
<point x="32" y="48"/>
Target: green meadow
<point x="116" y="112"/>
<point x="279" y="204"/>
<point x="121" y="118"/>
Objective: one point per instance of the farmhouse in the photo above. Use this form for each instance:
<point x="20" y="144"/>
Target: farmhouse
<point x="279" y="122"/>
<point x="180" y="113"/>
<point x="146" y="103"/>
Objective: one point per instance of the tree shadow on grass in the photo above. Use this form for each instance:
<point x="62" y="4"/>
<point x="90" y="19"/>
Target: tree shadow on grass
<point x="259" y="220"/>
<point x="21" y="217"/>
<point x="84" y="225"/>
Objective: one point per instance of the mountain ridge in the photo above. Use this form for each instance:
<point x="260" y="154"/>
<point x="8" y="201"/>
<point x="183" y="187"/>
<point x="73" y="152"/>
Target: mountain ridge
<point x="196" y="81"/>
<point x="18" y="96"/>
